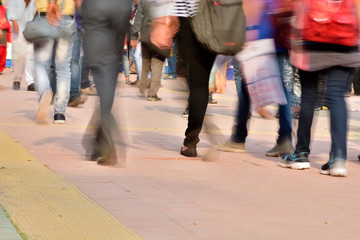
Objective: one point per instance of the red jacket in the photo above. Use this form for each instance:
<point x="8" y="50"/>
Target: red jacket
<point x="4" y="23"/>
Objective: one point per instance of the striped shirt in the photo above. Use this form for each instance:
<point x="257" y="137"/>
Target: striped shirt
<point x="185" y="8"/>
<point x="179" y="8"/>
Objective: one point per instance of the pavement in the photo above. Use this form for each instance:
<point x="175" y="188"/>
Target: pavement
<point x="49" y="190"/>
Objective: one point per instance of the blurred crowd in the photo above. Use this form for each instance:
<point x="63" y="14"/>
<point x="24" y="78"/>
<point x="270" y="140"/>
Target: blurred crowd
<point x="99" y="39"/>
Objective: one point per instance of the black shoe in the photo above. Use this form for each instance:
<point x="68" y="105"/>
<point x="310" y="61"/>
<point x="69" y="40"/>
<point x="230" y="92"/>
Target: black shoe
<point x="59" y="118"/>
<point x="31" y="87"/>
<point x="188" y="152"/>
<point x="16" y="86"/>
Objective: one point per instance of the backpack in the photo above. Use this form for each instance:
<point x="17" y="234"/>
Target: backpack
<point x="331" y="21"/>
<point x="220" y="25"/>
<point x="281" y="13"/>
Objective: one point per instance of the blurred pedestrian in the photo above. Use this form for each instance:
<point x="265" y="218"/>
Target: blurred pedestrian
<point x="55" y="52"/>
<point x="152" y="61"/>
<point x="5" y="36"/>
<point x="105" y="24"/>
<point x="76" y="98"/>
<point x="19" y="13"/>
<point x="260" y="26"/>
<point x="333" y="53"/>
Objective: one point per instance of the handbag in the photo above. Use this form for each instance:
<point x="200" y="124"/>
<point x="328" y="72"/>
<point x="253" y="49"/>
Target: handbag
<point x="163" y="31"/>
<point x="146" y="40"/>
<point x="219" y="25"/>
<point x="261" y="73"/>
<point x="39" y="29"/>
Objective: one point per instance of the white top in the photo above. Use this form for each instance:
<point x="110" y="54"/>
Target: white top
<point x="17" y="10"/>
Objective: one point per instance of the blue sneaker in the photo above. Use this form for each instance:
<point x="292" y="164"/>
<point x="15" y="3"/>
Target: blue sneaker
<point x="296" y="161"/>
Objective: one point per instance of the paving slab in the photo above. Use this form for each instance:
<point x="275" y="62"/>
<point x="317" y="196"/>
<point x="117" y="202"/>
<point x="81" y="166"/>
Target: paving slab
<point x="161" y="195"/>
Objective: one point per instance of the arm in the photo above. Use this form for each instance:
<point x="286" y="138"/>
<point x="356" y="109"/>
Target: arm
<point x="53" y="13"/>
<point x="137" y="25"/>
<point x="78" y="4"/>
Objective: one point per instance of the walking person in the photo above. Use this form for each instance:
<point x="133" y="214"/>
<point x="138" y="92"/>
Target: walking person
<point x="19" y="13"/>
<point x="260" y="27"/>
<point x="339" y="56"/>
<point x="76" y="98"/>
<point x="59" y="13"/>
<point x="105" y="24"/>
<point x="5" y="37"/>
<point x="152" y="61"/>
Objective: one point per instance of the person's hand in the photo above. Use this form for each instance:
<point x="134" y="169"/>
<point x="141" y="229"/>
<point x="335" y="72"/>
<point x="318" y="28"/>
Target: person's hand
<point x="15" y="26"/>
<point x="133" y="43"/>
<point x="53" y="14"/>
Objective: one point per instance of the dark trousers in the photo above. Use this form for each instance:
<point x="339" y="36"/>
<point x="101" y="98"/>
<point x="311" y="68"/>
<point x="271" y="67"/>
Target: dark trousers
<point x="105" y="23"/>
<point x="198" y="63"/>
<point x="336" y="82"/>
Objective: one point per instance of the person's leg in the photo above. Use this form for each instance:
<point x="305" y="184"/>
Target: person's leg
<point x="337" y="79"/>
<point x="63" y="52"/>
<point x="284" y="142"/>
<point x="103" y="49"/>
<point x="138" y="60"/>
<point x="309" y="93"/>
<point x="172" y="63"/>
<point x="85" y="69"/>
<point x="29" y="67"/>
<point x="126" y="66"/>
<point x="18" y="56"/>
<point x="298" y="159"/>
<point x="198" y="61"/>
<point x="18" y="66"/>
<point x="146" y="66"/>
<point x="285" y="118"/>
<point x="2" y="59"/>
<point x="75" y="67"/>
<point x="157" y="64"/>
<point x="43" y="56"/>
<point x="240" y="131"/>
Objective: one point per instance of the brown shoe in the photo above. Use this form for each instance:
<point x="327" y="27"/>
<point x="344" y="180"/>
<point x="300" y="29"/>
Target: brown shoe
<point x="136" y="83"/>
<point x="77" y="101"/>
<point x="89" y="91"/>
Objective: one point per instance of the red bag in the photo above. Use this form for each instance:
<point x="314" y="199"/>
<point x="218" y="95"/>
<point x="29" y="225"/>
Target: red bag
<point x="331" y="21"/>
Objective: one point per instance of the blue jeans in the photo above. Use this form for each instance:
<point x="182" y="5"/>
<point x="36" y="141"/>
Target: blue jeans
<point x="138" y="60"/>
<point x="126" y="65"/>
<point x="172" y="62"/>
<point x="60" y="51"/>
<point x="240" y="129"/>
<point x="75" y="66"/>
<point x="337" y="79"/>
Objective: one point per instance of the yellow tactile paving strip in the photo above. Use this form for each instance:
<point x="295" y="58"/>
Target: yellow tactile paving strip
<point x="44" y="205"/>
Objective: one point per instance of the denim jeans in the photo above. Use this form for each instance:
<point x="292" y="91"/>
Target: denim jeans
<point x="126" y="64"/>
<point x="75" y="66"/>
<point x="138" y="60"/>
<point x="336" y="85"/>
<point x="60" y="50"/>
<point x="240" y="131"/>
<point x="172" y="62"/>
